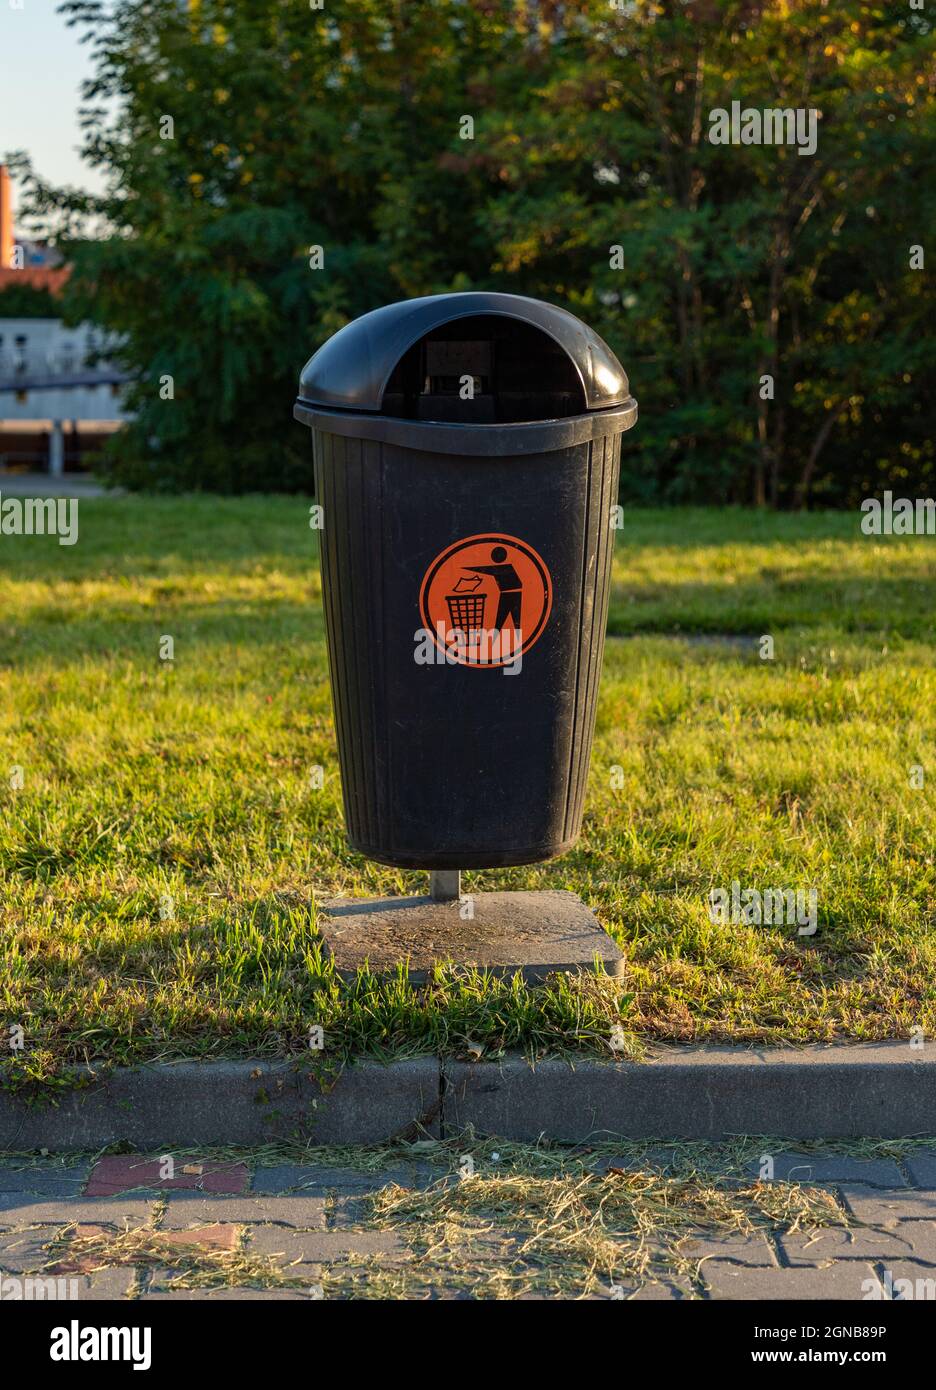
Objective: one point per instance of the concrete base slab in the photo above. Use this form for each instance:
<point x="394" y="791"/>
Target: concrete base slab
<point x="533" y="933"/>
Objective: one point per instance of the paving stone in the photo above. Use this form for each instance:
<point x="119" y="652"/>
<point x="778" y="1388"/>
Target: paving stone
<point x="188" y="1208"/>
<point x="102" y="1284"/>
<point x="653" y="1160"/>
<point x="45" y="1179"/>
<point x="349" y="1211"/>
<point x="904" y="1281"/>
<point x="842" y="1280"/>
<point x="292" y="1248"/>
<point x="910" y="1239"/>
<point x="74" y="1261"/>
<point x="742" y="1249"/>
<point x="23" y="1252"/>
<point x="922" y="1168"/>
<point x="354" y="1209"/>
<point x="665" y="1292"/>
<point x="119" y="1173"/>
<point x="885" y="1209"/>
<point x="31" y="1209"/>
<point x="814" y="1168"/>
<point x="227" y="1295"/>
<point x="320" y="1180"/>
<point x="216" y="1237"/>
<point x="205" y="1237"/>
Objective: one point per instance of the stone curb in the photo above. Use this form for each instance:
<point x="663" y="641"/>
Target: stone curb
<point x="192" y="1103"/>
<point x="833" y="1091"/>
<point x="881" y="1090"/>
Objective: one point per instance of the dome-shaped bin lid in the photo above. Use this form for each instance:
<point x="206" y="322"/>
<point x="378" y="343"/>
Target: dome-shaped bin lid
<point x="351" y="371"/>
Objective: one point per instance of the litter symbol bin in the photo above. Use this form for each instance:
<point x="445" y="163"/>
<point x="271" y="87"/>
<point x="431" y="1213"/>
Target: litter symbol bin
<point x="467" y="614"/>
<point x="467" y="449"/>
<point x="466" y="610"/>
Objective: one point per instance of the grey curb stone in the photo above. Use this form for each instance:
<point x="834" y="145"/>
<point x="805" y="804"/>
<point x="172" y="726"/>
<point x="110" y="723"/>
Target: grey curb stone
<point x="825" y="1092"/>
<point x="193" y="1103"/>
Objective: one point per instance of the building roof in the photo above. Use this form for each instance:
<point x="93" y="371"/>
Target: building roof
<point x="40" y="277"/>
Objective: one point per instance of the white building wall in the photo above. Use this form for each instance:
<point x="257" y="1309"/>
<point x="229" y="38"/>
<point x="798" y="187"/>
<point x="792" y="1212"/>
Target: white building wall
<point x="44" y="348"/>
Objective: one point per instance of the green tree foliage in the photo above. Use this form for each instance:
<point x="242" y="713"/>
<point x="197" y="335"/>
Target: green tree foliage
<point x="590" y="181"/>
<point x="27" y="302"/>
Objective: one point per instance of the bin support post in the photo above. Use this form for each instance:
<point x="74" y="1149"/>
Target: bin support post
<point x="444" y="885"/>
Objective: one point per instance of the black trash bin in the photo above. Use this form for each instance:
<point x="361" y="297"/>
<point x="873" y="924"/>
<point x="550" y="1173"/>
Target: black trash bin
<point x="467" y="449"/>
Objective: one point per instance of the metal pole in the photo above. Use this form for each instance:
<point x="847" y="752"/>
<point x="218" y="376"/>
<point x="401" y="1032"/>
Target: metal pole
<point x="57" y="450"/>
<point x="444" y="885"/>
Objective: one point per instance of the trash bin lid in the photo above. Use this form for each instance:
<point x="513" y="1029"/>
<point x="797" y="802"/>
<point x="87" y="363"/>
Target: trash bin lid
<point x="351" y="370"/>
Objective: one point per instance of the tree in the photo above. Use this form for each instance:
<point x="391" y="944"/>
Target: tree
<point x="761" y="299"/>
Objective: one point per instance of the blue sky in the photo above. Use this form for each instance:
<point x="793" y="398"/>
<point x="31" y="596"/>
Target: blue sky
<point x="41" y="68"/>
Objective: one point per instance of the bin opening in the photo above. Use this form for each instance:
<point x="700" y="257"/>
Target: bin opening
<point x="484" y="369"/>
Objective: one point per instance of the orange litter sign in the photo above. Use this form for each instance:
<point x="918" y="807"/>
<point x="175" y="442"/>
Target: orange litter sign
<point x="486" y="600"/>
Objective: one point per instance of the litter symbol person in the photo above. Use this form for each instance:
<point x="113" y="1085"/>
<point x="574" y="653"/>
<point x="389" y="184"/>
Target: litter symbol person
<point x="509" y="585"/>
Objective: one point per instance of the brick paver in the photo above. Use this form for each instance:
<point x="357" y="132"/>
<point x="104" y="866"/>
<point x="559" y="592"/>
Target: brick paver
<point x="127" y="1172"/>
<point x="746" y="1250"/>
<point x="26" y="1209"/>
<point x="45" y="1179"/>
<point x="291" y="1248"/>
<point x="836" y="1168"/>
<point x="922" y="1169"/>
<point x="320" y="1181"/>
<point x="856" y="1243"/>
<point x="841" y="1280"/>
<point x="887" y="1209"/>
<point x="188" y="1209"/>
<point x="307" y="1232"/>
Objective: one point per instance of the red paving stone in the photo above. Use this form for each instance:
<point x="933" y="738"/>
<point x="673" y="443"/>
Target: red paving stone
<point x="208" y="1237"/>
<point x="81" y="1264"/>
<point x="217" y="1237"/>
<point x="119" y="1173"/>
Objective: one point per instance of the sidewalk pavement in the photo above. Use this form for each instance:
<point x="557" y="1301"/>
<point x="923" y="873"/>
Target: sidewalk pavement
<point x="117" y="1227"/>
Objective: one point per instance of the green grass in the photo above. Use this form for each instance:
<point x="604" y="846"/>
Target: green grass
<point x="160" y="865"/>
